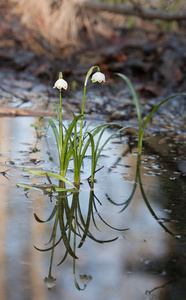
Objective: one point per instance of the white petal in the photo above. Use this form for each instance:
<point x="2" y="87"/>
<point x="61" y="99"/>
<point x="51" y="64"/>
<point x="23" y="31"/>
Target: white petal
<point x="50" y="282"/>
<point x="61" y="84"/>
<point x="98" y="76"/>
<point x="85" y="279"/>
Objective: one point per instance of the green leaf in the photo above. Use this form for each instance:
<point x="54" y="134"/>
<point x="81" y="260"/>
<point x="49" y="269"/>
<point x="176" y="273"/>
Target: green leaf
<point x="50" y="248"/>
<point x="135" y="97"/>
<point x="46" y="188"/>
<point x="50" y="217"/>
<point x="58" y="110"/>
<point x="54" y="175"/>
<point x="55" y="131"/>
<point x="156" y="107"/>
<point x="29" y="187"/>
<point x="93" y="155"/>
<point x="87" y="225"/>
<point x="63" y="232"/>
<point x="63" y="259"/>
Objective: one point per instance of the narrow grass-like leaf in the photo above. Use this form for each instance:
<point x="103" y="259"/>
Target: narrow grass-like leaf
<point x="93" y="156"/>
<point x="53" y="234"/>
<point x="118" y="229"/>
<point x="94" y="132"/>
<point x="135" y="97"/>
<point x="87" y="221"/>
<point x="50" y="248"/>
<point x="57" y="110"/>
<point x="63" y="259"/>
<point x="46" y="188"/>
<point x="148" y="204"/>
<point x="106" y="142"/>
<point x="49" y="218"/>
<point x="54" y="175"/>
<point x="55" y="131"/>
<point x="66" y="241"/>
<point x="153" y="111"/>
<point x="29" y="187"/>
<point x="101" y="241"/>
<point x="127" y="202"/>
<point x="68" y="149"/>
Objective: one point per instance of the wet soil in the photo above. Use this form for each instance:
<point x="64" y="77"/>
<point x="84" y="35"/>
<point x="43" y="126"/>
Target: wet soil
<point x="153" y="60"/>
<point x="24" y="89"/>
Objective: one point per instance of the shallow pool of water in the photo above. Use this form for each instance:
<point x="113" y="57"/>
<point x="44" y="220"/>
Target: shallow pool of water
<point x="147" y="261"/>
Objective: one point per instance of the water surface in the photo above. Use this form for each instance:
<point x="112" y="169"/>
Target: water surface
<point x="145" y="262"/>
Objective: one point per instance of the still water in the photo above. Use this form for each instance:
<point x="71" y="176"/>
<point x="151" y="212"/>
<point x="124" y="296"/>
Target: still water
<point x="147" y="261"/>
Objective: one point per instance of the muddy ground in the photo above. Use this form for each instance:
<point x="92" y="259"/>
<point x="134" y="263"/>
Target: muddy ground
<point x="154" y="61"/>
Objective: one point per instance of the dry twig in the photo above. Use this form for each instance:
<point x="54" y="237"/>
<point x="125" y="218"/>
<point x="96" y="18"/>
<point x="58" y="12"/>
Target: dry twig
<point x="132" y="11"/>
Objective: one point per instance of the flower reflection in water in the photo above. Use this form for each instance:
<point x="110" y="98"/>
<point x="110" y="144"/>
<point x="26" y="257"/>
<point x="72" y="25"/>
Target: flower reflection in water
<point x="85" y="279"/>
<point x="50" y="282"/>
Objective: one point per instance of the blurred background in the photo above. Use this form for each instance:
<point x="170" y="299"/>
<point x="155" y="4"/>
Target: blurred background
<point x="118" y="35"/>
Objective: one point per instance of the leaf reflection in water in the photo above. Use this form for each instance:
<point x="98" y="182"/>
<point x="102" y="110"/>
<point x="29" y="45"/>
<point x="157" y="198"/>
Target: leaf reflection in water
<point x="126" y="203"/>
<point x="74" y="228"/>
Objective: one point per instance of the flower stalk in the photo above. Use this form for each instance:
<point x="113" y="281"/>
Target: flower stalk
<point x="60" y="126"/>
<point x="98" y="76"/>
<point x="60" y="83"/>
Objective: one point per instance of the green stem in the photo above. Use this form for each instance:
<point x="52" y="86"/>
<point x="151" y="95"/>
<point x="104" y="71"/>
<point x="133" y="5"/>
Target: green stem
<point x="60" y="127"/>
<point x="83" y="105"/>
<point x="140" y="139"/>
<point x="54" y="240"/>
<point x="74" y="260"/>
<point x="74" y="263"/>
<point x="82" y="117"/>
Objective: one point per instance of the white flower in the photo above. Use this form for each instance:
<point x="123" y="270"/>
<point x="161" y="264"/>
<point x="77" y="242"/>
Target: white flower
<point x="61" y="84"/>
<point x="98" y="76"/>
<point x="85" y="279"/>
<point x="50" y="282"/>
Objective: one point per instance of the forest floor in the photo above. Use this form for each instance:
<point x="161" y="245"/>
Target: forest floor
<point x="154" y="61"/>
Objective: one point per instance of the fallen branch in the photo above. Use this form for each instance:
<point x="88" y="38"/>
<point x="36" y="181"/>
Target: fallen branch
<point x="13" y="112"/>
<point x="135" y="11"/>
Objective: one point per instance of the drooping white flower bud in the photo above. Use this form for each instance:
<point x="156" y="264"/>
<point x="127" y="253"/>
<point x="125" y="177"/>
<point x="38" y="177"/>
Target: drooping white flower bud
<point x="61" y="84"/>
<point x="98" y="76"/>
